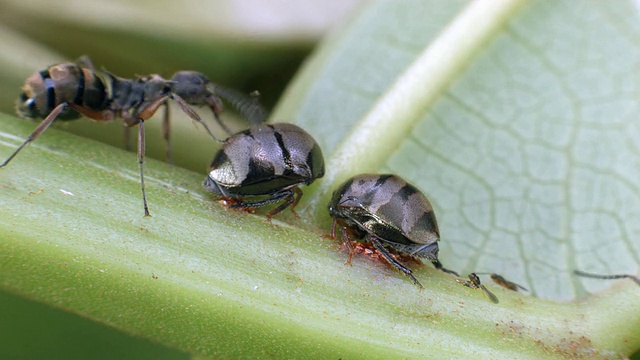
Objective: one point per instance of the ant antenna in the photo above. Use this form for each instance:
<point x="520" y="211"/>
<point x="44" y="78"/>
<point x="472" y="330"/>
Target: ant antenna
<point x="247" y="106"/>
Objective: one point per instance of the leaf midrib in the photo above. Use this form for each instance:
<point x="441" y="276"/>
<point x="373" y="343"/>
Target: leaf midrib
<point x="397" y="111"/>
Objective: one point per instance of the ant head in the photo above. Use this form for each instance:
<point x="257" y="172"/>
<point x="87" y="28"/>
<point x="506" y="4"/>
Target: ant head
<point x="192" y="87"/>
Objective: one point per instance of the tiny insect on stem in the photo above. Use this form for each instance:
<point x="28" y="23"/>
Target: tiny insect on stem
<point x="376" y="208"/>
<point x="474" y="283"/>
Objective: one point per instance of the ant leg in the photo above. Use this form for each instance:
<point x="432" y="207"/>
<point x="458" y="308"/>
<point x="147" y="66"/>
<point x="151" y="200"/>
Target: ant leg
<point x="44" y="125"/>
<point x="219" y="121"/>
<point x="166" y="132"/>
<point x="216" y="108"/>
<point x="385" y="253"/>
<point x="148" y="112"/>
<point x="141" y="149"/>
<point x="192" y="114"/>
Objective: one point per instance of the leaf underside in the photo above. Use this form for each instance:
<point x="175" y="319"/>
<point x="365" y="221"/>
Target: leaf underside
<point x="527" y="155"/>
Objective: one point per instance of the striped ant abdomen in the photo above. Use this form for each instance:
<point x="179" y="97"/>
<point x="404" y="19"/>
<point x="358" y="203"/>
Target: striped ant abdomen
<point x="63" y="83"/>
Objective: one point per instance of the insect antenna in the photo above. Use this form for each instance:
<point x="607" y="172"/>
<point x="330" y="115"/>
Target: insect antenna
<point x="248" y="106"/>
<point x="607" y="277"/>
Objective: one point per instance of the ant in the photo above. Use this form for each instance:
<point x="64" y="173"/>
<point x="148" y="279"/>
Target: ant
<point x="70" y="90"/>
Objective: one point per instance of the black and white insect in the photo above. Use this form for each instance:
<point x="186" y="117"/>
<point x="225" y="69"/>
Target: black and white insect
<point x="68" y="91"/>
<point x="608" y="277"/>
<point x="264" y="164"/>
<point x="387" y="211"/>
<point x="474" y="283"/>
<point x="500" y="280"/>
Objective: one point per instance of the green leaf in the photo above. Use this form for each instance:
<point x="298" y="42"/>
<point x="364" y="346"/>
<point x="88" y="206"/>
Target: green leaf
<point x="481" y="104"/>
<point x="519" y="123"/>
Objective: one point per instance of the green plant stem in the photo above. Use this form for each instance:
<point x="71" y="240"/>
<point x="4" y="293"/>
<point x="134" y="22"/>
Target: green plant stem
<point x="222" y="283"/>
